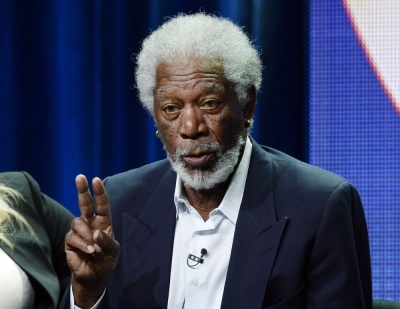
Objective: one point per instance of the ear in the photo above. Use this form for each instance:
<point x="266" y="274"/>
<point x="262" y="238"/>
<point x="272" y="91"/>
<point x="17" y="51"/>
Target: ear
<point x="250" y="106"/>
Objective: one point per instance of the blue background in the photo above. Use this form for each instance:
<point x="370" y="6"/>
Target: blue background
<point x="355" y="132"/>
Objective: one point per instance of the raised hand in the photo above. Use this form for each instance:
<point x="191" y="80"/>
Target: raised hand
<point x="92" y="252"/>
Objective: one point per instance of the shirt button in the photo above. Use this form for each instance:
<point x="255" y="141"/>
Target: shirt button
<point x="196" y="282"/>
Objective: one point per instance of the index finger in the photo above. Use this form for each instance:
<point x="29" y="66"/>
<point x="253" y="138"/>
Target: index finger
<point x="101" y="197"/>
<point x="85" y="200"/>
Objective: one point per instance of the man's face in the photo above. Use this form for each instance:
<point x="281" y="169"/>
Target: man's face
<point x="198" y="115"/>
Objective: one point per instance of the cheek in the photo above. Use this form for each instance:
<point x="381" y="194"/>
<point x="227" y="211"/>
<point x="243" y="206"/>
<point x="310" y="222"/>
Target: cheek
<point x="227" y="130"/>
<point x="213" y="121"/>
<point x="227" y="125"/>
<point x="168" y="134"/>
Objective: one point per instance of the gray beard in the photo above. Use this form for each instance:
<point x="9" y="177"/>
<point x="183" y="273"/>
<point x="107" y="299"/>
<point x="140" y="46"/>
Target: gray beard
<point x="200" y="179"/>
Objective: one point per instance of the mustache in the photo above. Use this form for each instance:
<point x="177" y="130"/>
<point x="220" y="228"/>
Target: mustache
<point x="196" y="146"/>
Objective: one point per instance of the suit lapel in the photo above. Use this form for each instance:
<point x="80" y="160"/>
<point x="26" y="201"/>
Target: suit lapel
<point x="161" y="202"/>
<point x="257" y="237"/>
<point x="150" y="240"/>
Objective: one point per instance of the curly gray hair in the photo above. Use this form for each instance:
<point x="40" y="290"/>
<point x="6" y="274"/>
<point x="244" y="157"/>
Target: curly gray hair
<point x="204" y="37"/>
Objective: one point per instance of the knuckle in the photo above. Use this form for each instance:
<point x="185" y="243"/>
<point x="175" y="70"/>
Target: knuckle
<point x="80" y="227"/>
<point x="101" y="202"/>
<point x="76" y="223"/>
<point x="68" y="235"/>
<point x="85" y="201"/>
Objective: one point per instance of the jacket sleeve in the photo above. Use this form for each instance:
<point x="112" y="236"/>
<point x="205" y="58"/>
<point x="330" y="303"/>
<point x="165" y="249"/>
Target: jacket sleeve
<point x="339" y="273"/>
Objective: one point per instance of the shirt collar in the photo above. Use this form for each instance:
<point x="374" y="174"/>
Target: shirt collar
<point x="232" y="200"/>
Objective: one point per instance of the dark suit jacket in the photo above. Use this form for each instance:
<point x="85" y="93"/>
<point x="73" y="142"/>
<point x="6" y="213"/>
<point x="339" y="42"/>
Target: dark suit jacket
<point x="42" y="259"/>
<point x="300" y="241"/>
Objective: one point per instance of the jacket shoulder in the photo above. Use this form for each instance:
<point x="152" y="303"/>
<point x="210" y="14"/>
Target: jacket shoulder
<point x="300" y="173"/>
<point x="148" y="174"/>
<point x="14" y="180"/>
<point x="129" y="191"/>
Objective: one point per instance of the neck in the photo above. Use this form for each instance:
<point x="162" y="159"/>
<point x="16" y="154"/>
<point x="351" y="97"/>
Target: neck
<point x="204" y="201"/>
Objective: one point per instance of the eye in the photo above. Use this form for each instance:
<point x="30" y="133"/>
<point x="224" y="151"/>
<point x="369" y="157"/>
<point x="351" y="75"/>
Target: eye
<point x="210" y="105"/>
<point x="171" y="109"/>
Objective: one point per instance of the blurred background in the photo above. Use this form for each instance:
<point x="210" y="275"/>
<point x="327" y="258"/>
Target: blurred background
<point x="329" y="95"/>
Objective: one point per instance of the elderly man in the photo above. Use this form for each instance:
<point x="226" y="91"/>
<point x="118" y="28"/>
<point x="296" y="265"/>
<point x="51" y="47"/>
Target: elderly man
<point x="232" y="224"/>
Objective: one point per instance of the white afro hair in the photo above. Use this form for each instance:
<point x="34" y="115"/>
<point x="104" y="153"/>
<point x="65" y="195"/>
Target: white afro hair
<point x="204" y="37"/>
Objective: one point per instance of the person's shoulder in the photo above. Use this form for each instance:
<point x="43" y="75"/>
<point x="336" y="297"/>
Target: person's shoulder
<point x="129" y="191"/>
<point x="301" y="186"/>
<point x="20" y="181"/>
<point x="299" y="172"/>
<point x="143" y="172"/>
<point x="12" y="178"/>
<point x="148" y="174"/>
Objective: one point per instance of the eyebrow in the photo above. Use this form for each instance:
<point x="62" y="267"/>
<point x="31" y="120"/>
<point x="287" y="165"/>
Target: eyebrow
<point x="212" y="86"/>
<point x="161" y="91"/>
<point x="209" y="86"/>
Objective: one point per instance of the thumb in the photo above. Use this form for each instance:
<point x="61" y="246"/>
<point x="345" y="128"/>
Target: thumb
<point x="105" y="243"/>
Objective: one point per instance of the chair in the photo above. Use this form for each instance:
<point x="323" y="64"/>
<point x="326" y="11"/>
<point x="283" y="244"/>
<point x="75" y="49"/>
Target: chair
<point x="385" y="304"/>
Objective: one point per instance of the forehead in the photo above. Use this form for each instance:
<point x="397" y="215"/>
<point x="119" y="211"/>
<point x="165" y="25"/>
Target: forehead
<point x="204" y="74"/>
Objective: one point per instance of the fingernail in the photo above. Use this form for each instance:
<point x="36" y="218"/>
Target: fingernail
<point x="90" y="248"/>
<point x="96" y="246"/>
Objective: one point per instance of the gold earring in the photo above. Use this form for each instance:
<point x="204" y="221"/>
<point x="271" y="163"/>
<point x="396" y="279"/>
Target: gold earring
<point x="247" y="123"/>
<point x="157" y="135"/>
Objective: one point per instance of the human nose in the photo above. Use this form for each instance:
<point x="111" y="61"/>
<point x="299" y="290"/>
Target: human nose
<point x="193" y="123"/>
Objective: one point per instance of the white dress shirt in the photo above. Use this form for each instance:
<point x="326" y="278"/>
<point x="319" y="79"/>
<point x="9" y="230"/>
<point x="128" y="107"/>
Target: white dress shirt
<point x="202" y="286"/>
